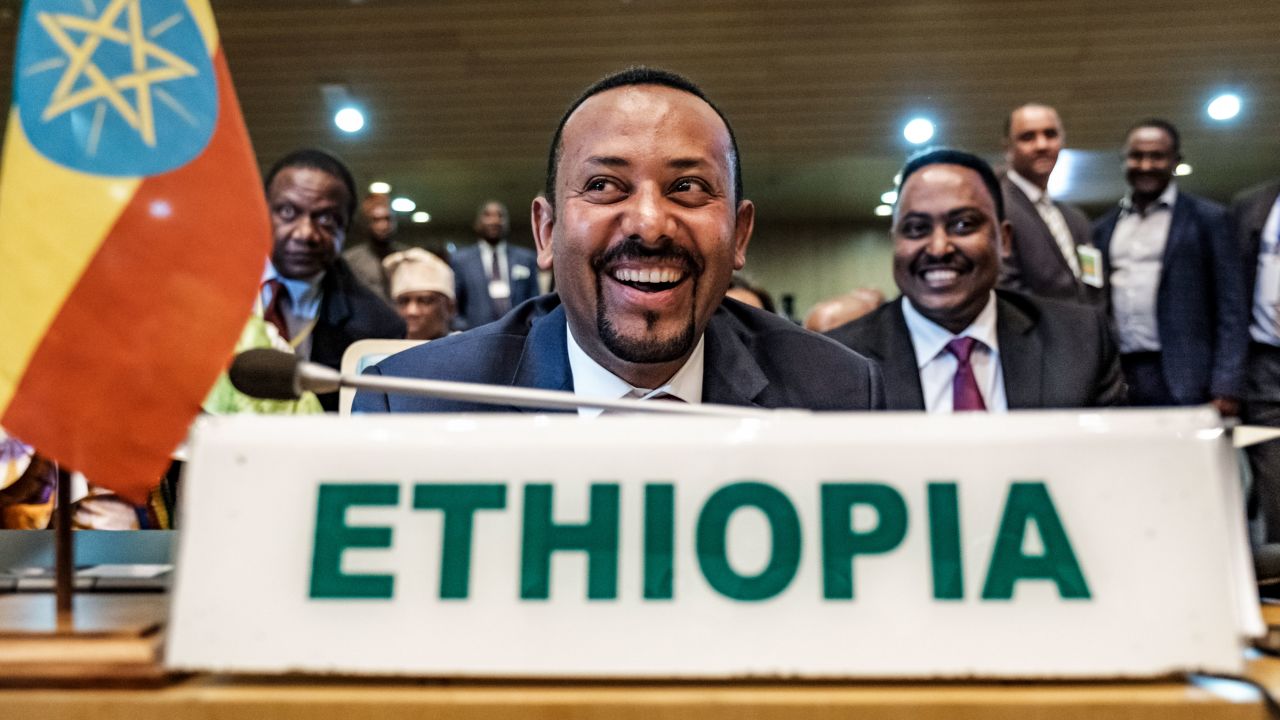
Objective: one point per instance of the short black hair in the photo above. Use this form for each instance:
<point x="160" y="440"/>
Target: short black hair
<point x="1161" y="124"/>
<point x="639" y="75"/>
<point x="1008" y="118"/>
<point x="950" y="156"/>
<point x="317" y="159"/>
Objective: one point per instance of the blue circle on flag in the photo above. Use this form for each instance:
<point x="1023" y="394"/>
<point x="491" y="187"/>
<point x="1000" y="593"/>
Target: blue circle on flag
<point x="115" y="87"/>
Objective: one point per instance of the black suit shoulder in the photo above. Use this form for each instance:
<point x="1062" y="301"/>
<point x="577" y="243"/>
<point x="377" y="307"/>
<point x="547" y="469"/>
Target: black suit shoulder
<point x="803" y="369"/>
<point x="869" y="334"/>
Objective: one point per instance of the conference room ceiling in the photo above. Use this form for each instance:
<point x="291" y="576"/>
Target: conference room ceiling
<point x="462" y="97"/>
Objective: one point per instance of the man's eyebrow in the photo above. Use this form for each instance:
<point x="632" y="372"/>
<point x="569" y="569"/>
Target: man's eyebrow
<point x="608" y="161"/>
<point x="686" y="163"/>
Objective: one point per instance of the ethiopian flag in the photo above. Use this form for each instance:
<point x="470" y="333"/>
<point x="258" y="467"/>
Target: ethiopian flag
<point x="133" y="232"/>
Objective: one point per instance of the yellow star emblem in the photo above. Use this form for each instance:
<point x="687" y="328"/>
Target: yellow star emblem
<point x="79" y="63"/>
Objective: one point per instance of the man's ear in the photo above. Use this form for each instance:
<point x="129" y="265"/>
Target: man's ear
<point x="1006" y="238"/>
<point x="542" y="217"/>
<point x="746" y="222"/>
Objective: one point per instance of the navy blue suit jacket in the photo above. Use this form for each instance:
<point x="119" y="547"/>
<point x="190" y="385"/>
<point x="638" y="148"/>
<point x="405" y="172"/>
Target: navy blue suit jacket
<point x="753" y="358"/>
<point x="1053" y="354"/>
<point x="1201" y="310"/>
<point x="471" y="284"/>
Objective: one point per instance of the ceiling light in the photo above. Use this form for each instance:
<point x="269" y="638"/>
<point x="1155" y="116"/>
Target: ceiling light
<point x="1224" y="107"/>
<point x="918" y="131"/>
<point x="1182" y="169"/>
<point x="889" y="197"/>
<point x="883" y="211"/>
<point x="403" y="204"/>
<point x="897" y="179"/>
<point x="349" y="119"/>
<point x="379" y="188"/>
<point x="422" y="217"/>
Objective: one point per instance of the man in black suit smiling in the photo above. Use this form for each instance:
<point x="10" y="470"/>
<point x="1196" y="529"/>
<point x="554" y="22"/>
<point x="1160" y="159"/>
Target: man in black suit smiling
<point x="952" y="342"/>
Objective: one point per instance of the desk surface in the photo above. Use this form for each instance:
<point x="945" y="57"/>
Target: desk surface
<point x="215" y="697"/>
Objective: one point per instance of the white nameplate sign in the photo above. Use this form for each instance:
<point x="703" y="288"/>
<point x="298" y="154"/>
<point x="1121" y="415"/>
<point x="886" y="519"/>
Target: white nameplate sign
<point x="1027" y="545"/>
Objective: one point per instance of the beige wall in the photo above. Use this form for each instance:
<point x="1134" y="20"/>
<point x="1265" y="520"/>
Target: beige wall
<point x="817" y="261"/>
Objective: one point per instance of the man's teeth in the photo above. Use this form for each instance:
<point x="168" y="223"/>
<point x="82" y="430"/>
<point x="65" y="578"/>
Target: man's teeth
<point x="664" y="275"/>
<point x="939" y="276"/>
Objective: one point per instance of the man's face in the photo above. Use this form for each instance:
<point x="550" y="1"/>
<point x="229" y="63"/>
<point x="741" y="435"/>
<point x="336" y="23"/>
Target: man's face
<point x="308" y="220"/>
<point x="1035" y="139"/>
<point x="492" y="222"/>
<point x="1149" y="160"/>
<point x="379" y="217"/>
<point x="427" y="314"/>
<point x="645" y="233"/>
<point x="947" y="244"/>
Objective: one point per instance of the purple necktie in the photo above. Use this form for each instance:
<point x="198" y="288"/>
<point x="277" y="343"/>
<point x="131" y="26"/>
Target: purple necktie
<point x="964" y="387"/>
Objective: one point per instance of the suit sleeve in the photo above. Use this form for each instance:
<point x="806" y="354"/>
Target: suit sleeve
<point x="1011" y="267"/>
<point x="370" y="401"/>
<point x="1232" y="308"/>
<point x="1110" y="388"/>
<point x="876" y="398"/>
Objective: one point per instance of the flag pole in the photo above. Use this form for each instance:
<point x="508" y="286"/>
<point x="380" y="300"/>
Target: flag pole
<point x="64" y="565"/>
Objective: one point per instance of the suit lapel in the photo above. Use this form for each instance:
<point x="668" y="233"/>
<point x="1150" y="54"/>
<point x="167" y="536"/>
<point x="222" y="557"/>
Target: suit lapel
<point x="544" y="363"/>
<point x="1021" y="356"/>
<point x="1046" y="235"/>
<point x="901" y="374"/>
<point x="1181" y="227"/>
<point x="731" y="375"/>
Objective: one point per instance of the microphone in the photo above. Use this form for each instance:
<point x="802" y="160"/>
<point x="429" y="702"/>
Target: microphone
<point x="278" y="375"/>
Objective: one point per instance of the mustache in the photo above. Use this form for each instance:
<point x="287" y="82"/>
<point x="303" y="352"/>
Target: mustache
<point x="632" y="248"/>
<point x="951" y="260"/>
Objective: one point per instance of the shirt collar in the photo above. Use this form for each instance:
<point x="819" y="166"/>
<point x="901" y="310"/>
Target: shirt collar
<point x="301" y="291"/>
<point x="1033" y="193"/>
<point x="930" y="339"/>
<point x="1166" y="200"/>
<point x="590" y="379"/>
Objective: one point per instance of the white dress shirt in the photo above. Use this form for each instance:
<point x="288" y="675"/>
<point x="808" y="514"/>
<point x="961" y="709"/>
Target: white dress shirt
<point x="1052" y="217"/>
<point x="1137" y="256"/>
<point x="1265" y="327"/>
<point x="302" y="309"/>
<point x="590" y="379"/>
<point x="938" y="366"/>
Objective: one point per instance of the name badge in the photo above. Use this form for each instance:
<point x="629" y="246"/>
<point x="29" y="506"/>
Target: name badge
<point x="499" y="289"/>
<point x="1090" y="259"/>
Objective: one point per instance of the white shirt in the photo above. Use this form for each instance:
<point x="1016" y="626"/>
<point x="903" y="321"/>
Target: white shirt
<point x="1265" y="327"/>
<point x="301" y="310"/>
<point x="938" y="366"/>
<point x="1052" y="217"/>
<point x="1137" y="256"/>
<point x="590" y="379"/>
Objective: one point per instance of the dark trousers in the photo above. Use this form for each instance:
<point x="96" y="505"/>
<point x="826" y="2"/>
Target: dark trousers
<point x="1145" y="377"/>
<point x="1262" y="407"/>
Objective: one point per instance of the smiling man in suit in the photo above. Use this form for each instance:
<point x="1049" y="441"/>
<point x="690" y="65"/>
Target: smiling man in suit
<point x="1176" y="282"/>
<point x="643" y="222"/>
<point x="1050" y="253"/>
<point x="952" y="342"/>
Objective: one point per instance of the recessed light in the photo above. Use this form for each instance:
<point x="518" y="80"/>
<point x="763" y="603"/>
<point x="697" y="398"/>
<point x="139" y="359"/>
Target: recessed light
<point x="1224" y="107"/>
<point x="884" y="210"/>
<point x="422" y="217"/>
<point x="379" y="188"/>
<point x="349" y="119"/>
<point x="403" y="204"/>
<point x="890" y="197"/>
<point x="1182" y="169"/>
<point x="918" y="131"/>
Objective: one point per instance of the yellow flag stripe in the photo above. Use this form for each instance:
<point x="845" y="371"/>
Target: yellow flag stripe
<point x="203" y="15"/>
<point x="52" y="222"/>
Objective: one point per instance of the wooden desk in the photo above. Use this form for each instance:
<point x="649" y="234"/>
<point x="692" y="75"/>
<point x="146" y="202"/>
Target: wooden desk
<point x="211" y="697"/>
